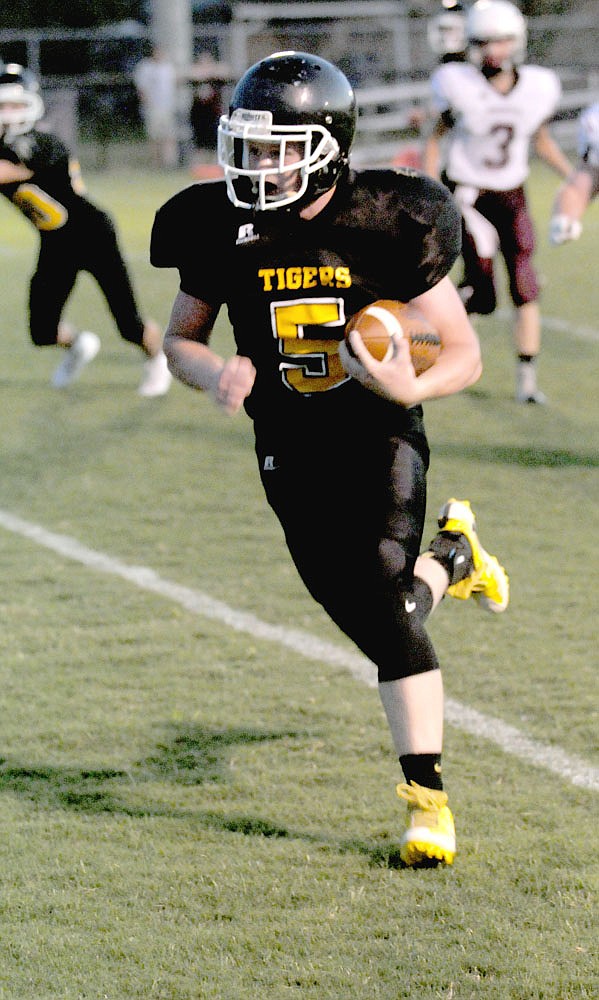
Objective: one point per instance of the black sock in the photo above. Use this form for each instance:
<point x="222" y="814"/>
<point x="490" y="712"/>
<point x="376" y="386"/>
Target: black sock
<point x="453" y="551"/>
<point x="423" y="768"/>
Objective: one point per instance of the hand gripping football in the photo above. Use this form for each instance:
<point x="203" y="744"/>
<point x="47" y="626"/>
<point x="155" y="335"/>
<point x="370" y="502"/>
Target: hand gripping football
<point x="382" y="321"/>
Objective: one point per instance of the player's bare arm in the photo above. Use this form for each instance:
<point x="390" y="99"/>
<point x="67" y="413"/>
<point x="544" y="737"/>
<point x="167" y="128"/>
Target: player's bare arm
<point x="575" y="195"/>
<point x="551" y="154"/>
<point x="13" y="172"/>
<point x="193" y="362"/>
<point x="458" y="365"/>
<point x="582" y="185"/>
<point x="431" y="157"/>
<point x="569" y="207"/>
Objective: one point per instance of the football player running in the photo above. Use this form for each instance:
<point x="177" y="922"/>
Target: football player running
<point x="492" y="108"/>
<point x="582" y="186"/>
<point x="40" y="178"/>
<point x="299" y="243"/>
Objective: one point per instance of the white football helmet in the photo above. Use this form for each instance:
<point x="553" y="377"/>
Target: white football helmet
<point x="20" y="103"/>
<point x="446" y="33"/>
<point x="495" y="21"/>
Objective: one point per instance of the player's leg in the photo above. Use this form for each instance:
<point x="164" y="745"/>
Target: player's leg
<point x="106" y="263"/>
<point x="353" y="524"/>
<point x="518" y="245"/>
<point x="353" y="518"/>
<point x="479" y="244"/>
<point x="455" y="563"/>
<point x="49" y="289"/>
<point x="470" y="570"/>
<point x="411" y="687"/>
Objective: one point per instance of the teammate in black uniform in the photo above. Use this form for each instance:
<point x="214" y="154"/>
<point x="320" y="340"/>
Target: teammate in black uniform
<point x="43" y="182"/>
<point x="297" y="243"/>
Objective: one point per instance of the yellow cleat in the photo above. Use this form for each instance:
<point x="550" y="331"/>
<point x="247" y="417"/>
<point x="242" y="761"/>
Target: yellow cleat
<point x="430" y="830"/>
<point x="488" y="583"/>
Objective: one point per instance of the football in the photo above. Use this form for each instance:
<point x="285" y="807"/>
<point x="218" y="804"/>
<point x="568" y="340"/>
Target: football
<point x="380" y="322"/>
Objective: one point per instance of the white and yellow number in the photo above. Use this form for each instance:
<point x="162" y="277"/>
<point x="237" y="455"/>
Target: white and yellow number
<point x="45" y="213"/>
<point x="308" y="364"/>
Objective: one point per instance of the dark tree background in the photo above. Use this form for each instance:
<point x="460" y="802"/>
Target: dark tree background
<point x="74" y="14"/>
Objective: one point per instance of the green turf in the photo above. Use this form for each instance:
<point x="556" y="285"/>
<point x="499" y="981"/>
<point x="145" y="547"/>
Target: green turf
<point x="189" y="812"/>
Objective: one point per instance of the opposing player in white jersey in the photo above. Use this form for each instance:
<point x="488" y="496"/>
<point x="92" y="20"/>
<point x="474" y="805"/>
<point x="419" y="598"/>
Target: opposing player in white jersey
<point x="582" y="185"/>
<point x="492" y="108"/>
<point x="446" y="33"/>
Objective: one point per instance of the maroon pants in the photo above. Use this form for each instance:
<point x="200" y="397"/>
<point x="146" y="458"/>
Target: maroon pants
<point x="508" y="212"/>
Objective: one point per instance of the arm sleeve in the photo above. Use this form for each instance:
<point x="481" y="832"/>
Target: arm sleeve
<point x="176" y="243"/>
<point x="443" y="243"/>
<point x="437" y="227"/>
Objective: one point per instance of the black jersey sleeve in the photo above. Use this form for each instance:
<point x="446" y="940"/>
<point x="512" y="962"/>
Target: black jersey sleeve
<point x="406" y="231"/>
<point x="185" y="236"/>
<point x="433" y="209"/>
<point x="8" y="154"/>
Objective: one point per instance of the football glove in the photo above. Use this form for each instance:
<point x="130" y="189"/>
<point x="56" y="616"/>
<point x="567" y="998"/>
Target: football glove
<point x="562" y="229"/>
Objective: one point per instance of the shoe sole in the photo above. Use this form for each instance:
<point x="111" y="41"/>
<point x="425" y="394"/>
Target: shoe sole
<point x="414" y="852"/>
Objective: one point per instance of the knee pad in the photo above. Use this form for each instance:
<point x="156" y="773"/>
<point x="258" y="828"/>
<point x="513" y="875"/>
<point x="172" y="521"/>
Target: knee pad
<point x="411" y="651"/>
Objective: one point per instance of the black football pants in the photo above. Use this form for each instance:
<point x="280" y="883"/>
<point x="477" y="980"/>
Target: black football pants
<point x="353" y="519"/>
<point x="91" y="247"/>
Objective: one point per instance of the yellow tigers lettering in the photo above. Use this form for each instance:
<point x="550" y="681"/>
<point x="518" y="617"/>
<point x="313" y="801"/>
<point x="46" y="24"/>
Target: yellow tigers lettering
<point x="326" y="275"/>
<point x="267" y="274"/>
<point x="294" y="278"/>
<point x="342" y="277"/>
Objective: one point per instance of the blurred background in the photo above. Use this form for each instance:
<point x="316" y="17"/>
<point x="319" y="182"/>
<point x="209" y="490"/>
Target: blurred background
<point x="84" y="54"/>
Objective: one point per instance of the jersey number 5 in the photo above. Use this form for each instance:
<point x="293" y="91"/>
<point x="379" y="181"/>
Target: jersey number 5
<point x="308" y="363"/>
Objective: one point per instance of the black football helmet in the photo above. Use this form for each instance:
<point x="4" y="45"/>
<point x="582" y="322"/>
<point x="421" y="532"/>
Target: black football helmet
<point x="287" y="101"/>
<point x="21" y="105"/>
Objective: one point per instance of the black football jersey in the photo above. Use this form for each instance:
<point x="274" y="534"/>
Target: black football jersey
<point x="52" y="197"/>
<point x="290" y="285"/>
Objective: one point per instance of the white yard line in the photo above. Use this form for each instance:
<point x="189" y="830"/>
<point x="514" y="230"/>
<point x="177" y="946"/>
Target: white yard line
<point x="557" y="325"/>
<point x="508" y="738"/>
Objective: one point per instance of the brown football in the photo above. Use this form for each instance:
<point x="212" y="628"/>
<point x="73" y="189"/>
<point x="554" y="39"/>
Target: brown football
<point x="385" y="319"/>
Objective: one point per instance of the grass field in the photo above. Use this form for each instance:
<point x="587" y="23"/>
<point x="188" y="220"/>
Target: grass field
<point x="194" y="810"/>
